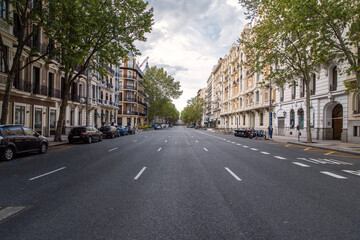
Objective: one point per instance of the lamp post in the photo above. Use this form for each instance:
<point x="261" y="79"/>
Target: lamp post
<point x="270" y="107"/>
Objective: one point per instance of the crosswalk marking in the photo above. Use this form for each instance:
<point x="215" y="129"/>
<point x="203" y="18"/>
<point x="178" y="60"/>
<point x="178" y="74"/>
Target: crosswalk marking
<point x="325" y="161"/>
<point x="353" y="172"/>
<point x="333" y="175"/>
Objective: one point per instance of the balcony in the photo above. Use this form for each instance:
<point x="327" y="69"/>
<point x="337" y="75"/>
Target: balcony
<point x="142" y="114"/>
<point x="74" y="98"/>
<point x="142" y="92"/>
<point x="131" y="87"/>
<point x="130" y="100"/>
<point x="23" y="85"/>
<point x="142" y="103"/>
<point x="39" y="89"/>
<point x="131" y="112"/>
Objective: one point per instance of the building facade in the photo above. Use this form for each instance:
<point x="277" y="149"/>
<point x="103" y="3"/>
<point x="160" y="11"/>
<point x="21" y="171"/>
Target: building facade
<point x="95" y="100"/>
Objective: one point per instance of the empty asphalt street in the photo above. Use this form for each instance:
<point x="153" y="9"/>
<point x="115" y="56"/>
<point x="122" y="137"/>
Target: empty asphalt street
<point x="180" y="183"/>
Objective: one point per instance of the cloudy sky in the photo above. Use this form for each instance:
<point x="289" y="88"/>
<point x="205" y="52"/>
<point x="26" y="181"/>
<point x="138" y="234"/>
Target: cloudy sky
<point x="188" y="38"/>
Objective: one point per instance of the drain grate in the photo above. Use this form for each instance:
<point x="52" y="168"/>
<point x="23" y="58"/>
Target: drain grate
<point x="8" y="212"/>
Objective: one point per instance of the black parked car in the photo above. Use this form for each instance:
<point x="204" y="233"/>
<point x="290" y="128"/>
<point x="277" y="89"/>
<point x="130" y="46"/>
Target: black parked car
<point x="130" y="129"/>
<point x="18" y="139"/>
<point x="85" y="134"/>
<point x="110" y="131"/>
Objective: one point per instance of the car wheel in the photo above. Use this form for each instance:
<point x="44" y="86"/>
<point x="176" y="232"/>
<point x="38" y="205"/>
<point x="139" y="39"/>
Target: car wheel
<point x="90" y="140"/>
<point x="8" y="154"/>
<point x="112" y="135"/>
<point x="43" y="148"/>
<point x="100" y="138"/>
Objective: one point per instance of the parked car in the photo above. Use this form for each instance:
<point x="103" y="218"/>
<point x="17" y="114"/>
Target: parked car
<point x="130" y="129"/>
<point x="123" y="130"/>
<point x="16" y="139"/>
<point x="110" y="131"/>
<point x="156" y="126"/>
<point x="85" y="134"/>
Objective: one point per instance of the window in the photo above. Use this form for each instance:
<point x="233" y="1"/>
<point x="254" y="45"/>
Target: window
<point x="3" y="9"/>
<point x="51" y="84"/>
<point x="334" y="76"/>
<point x="313" y="84"/>
<point x="258" y="77"/>
<point x="28" y="131"/>
<point x="72" y="121"/>
<point x="301" y="118"/>
<point x="80" y="118"/>
<point x="38" y="117"/>
<point x="16" y="131"/>
<point x="282" y="94"/>
<point x="243" y="119"/>
<point x="312" y="117"/>
<point x="293" y="94"/>
<point x="261" y="119"/>
<point x="20" y="115"/>
<point x="129" y="74"/>
<point x="2" y="63"/>
<point x="292" y="119"/>
<point x="120" y="84"/>
<point x="93" y="92"/>
<point x="52" y="118"/>
<point x="303" y="86"/>
<point x="130" y="63"/>
<point x="355" y="132"/>
<point x="241" y="102"/>
<point x="257" y="96"/>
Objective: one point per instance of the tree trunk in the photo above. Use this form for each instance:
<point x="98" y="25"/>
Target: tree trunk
<point x="5" y="106"/>
<point x="308" y="117"/>
<point x="62" y="115"/>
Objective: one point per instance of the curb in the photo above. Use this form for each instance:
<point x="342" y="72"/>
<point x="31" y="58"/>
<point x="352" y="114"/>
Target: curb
<point x="322" y="147"/>
<point x="58" y="143"/>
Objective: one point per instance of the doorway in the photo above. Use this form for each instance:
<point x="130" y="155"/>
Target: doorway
<point x="337" y="121"/>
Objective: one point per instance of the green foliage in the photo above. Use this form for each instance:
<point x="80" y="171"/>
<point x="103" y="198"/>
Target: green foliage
<point x="194" y="110"/>
<point x="160" y="88"/>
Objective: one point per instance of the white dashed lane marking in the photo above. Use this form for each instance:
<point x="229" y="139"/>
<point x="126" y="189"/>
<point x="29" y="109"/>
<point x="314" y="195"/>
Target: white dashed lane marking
<point x="139" y="174"/>
<point x="333" y="175"/>
<point x="206" y="149"/>
<point x="254" y="149"/>
<point x="301" y="164"/>
<point x="266" y="153"/>
<point x="278" y="157"/>
<point x="159" y="149"/>
<point x="45" y="174"/>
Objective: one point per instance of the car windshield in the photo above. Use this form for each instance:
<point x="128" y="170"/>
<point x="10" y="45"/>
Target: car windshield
<point x="104" y="128"/>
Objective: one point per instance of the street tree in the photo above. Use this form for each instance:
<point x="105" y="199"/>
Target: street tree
<point x="27" y="17"/>
<point x="194" y="110"/>
<point x="337" y="24"/>
<point x="90" y="35"/>
<point x="160" y="89"/>
<point x="283" y="45"/>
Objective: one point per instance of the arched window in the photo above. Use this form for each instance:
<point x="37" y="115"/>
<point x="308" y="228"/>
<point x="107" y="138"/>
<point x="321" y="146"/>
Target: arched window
<point x="334" y="78"/>
<point x="102" y="95"/>
<point x="301" y="118"/>
<point x="292" y="119"/>
<point x="356" y="103"/>
<point x="107" y="96"/>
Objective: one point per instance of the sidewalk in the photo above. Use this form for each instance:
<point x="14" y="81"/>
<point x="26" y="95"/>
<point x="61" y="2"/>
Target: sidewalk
<point x="64" y="139"/>
<point x="325" y="144"/>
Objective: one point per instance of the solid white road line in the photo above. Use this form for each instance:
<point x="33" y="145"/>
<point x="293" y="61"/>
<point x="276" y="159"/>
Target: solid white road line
<point x="159" y="149"/>
<point x="333" y="175"/>
<point x="266" y="153"/>
<point x="139" y="174"/>
<point x="301" y="164"/>
<point x="233" y="174"/>
<point x="205" y="149"/>
<point x="112" y="149"/>
<point x="42" y="175"/>
<point x="254" y="149"/>
<point x="278" y="157"/>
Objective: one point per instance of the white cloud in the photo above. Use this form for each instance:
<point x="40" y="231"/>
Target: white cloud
<point x="189" y="37"/>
